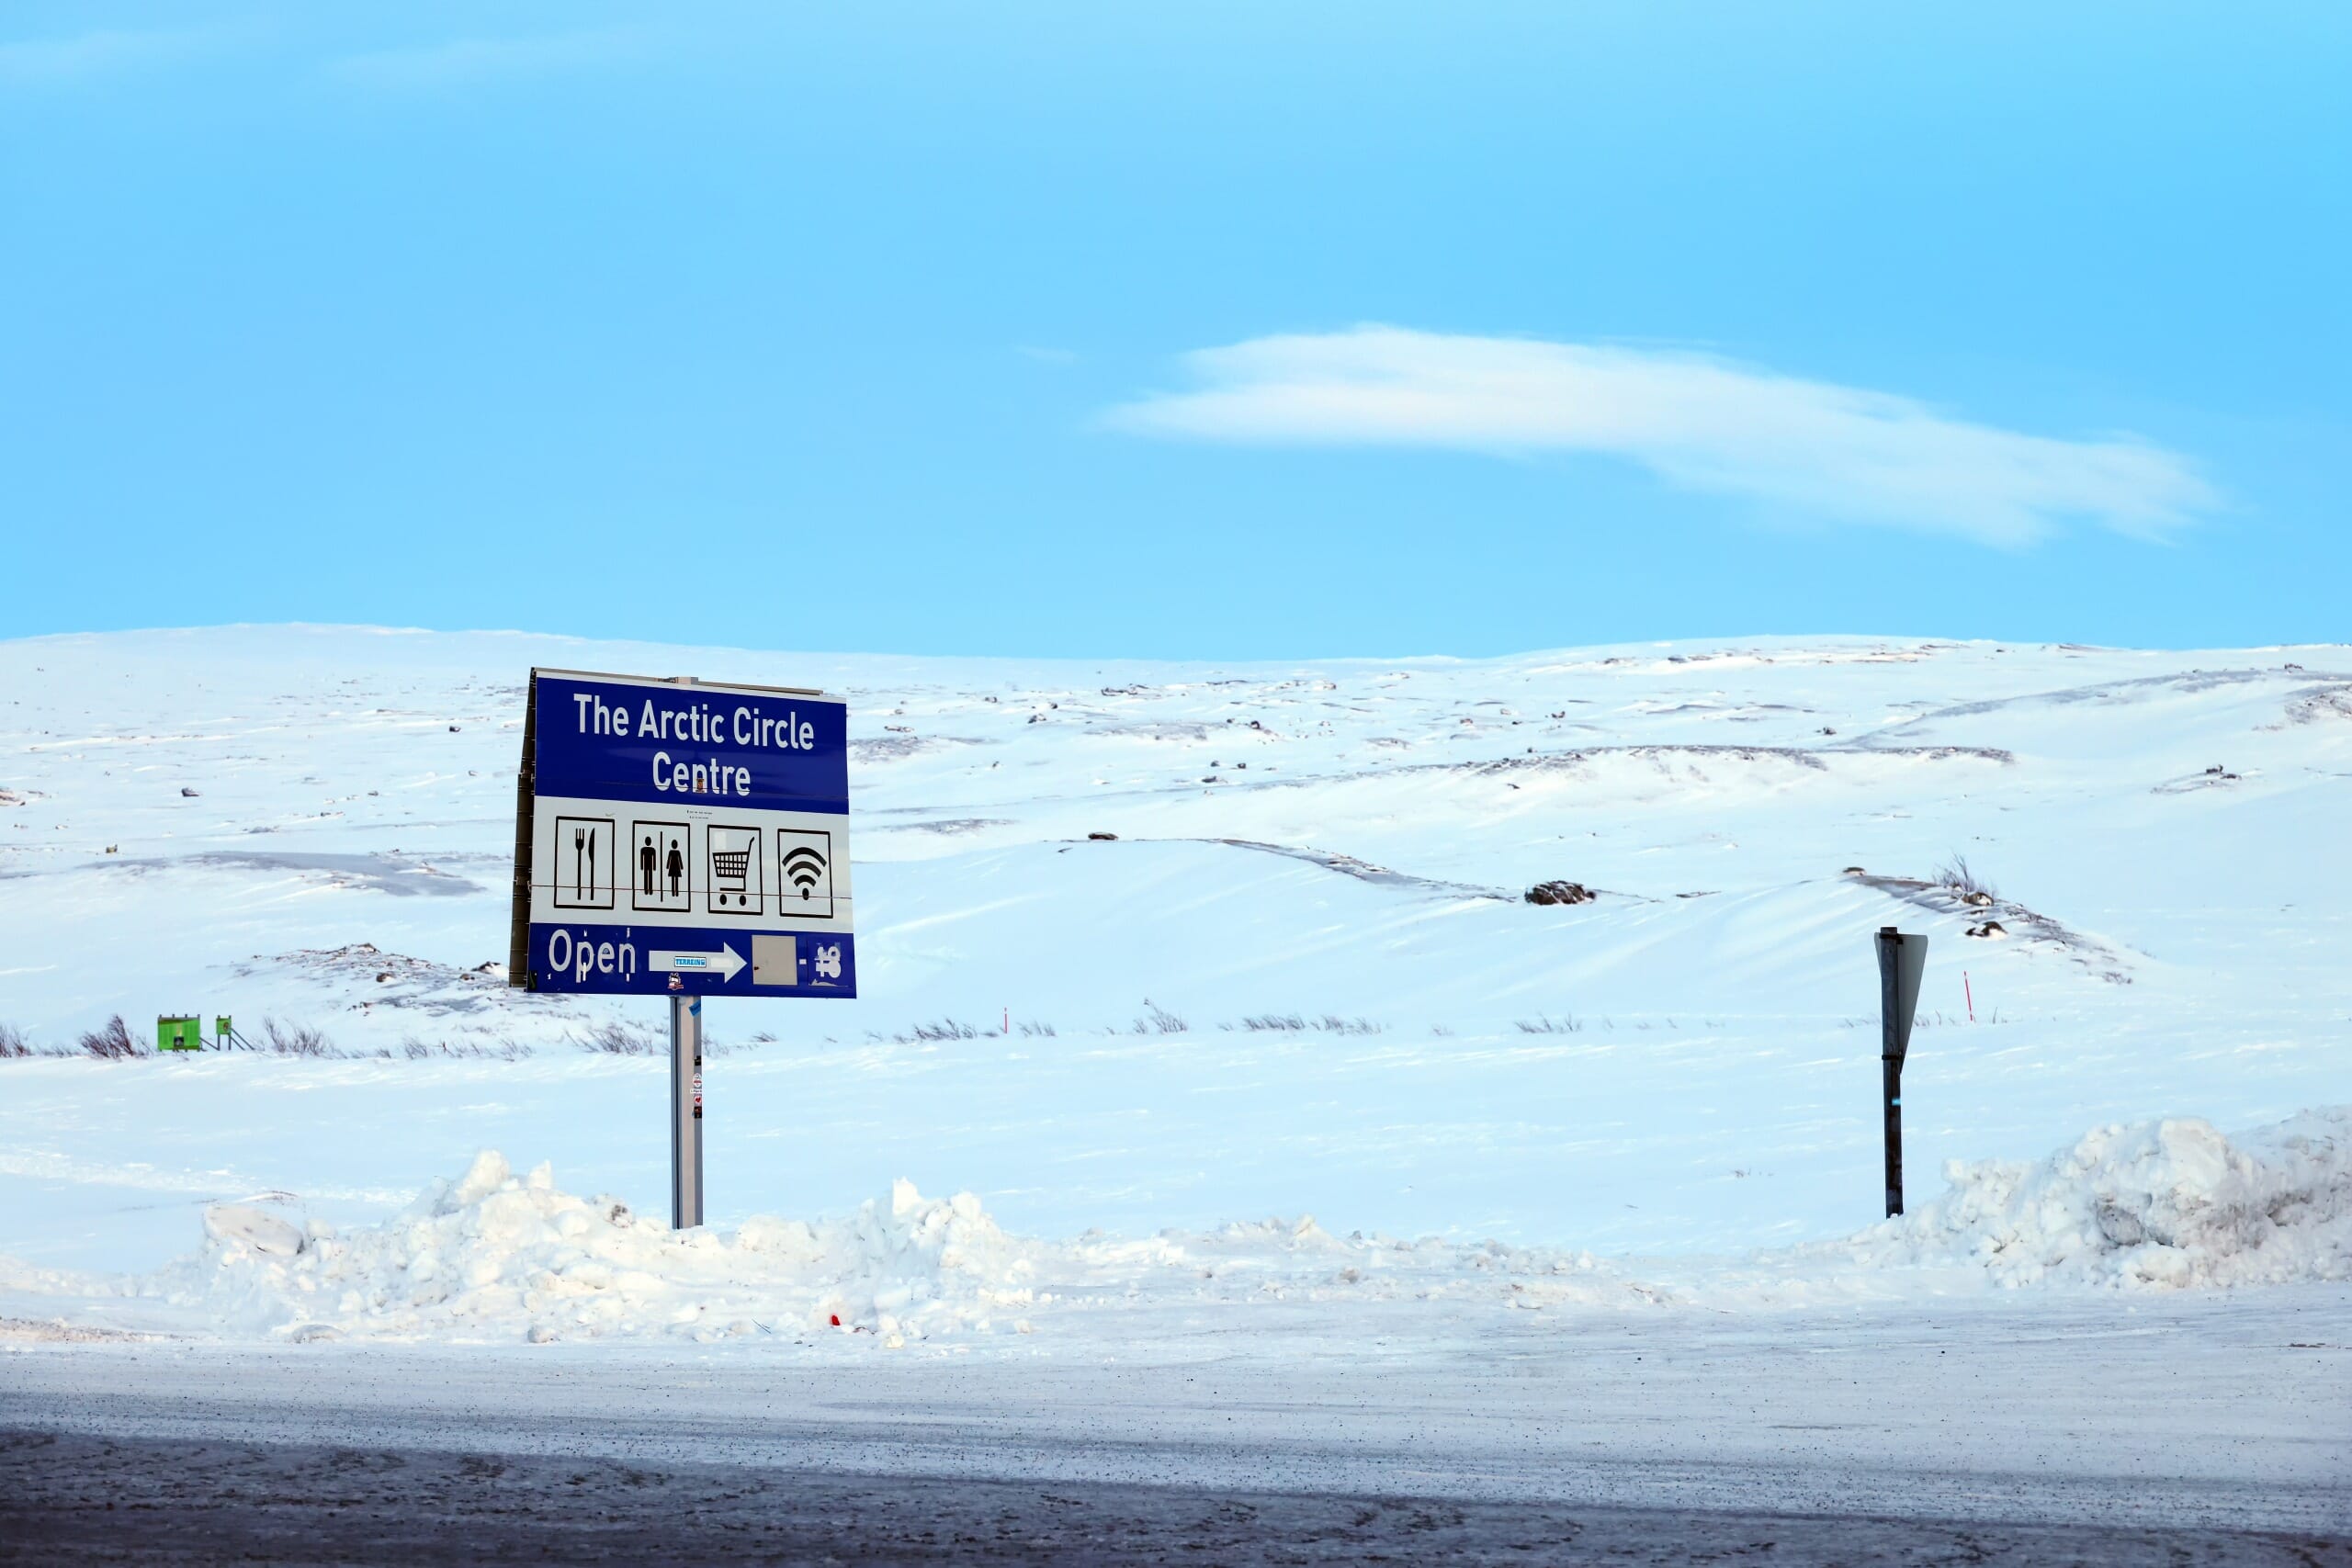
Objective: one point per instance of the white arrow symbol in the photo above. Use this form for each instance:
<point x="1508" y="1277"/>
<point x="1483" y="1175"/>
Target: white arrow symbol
<point x="727" y="960"/>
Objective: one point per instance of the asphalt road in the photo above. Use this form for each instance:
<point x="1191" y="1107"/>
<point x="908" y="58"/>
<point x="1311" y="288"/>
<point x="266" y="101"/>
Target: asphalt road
<point x="2213" y="1429"/>
<point x="72" y="1499"/>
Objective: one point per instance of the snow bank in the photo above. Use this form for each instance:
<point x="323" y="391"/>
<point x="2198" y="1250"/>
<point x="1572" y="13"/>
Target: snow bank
<point x="2154" y="1205"/>
<point x="493" y="1255"/>
<point x="497" y="1256"/>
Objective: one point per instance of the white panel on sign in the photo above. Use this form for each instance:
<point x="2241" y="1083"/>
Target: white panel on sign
<point x="735" y="880"/>
<point x="775" y="961"/>
<point x="662" y="862"/>
<point x="804" y="874"/>
<point x="584" y="862"/>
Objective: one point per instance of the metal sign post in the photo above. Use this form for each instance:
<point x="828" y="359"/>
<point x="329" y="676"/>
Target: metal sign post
<point x="1902" y="964"/>
<point x="687" y="839"/>
<point x="685" y="1112"/>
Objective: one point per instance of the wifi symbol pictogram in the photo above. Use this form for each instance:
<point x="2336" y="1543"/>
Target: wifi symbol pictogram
<point x="803" y="868"/>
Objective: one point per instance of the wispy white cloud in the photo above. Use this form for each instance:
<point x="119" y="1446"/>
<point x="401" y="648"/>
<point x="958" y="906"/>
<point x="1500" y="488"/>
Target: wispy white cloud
<point x="1697" y="422"/>
<point x="459" y="63"/>
<point x="87" y="56"/>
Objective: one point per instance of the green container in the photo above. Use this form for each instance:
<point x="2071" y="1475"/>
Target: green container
<point x="223" y="1032"/>
<point x="179" y="1033"/>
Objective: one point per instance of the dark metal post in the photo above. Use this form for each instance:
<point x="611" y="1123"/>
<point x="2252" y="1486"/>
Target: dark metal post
<point x="1893" y="1039"/>
<point x="1890" y="1071"/>
<point x="685" y="1112"/>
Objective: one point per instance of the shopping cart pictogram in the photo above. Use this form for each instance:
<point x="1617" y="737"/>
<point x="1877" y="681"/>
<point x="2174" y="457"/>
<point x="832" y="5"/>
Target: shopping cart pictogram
<point x="730" y="869"/>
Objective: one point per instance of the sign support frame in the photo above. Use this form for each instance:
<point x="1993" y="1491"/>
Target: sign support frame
<point x="526" y="827"/>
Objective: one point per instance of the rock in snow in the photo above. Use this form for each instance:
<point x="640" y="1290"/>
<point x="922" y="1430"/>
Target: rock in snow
<point x="239" y="1229"/>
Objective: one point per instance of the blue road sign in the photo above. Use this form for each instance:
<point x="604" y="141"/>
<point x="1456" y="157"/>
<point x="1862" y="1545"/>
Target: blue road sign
<point x="682" y="836"/>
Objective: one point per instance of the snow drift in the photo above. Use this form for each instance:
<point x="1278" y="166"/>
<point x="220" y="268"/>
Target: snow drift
<point x="492" y="1252"/>
<point x="496" y="1256"/>
<point x="2160" y="1204"/>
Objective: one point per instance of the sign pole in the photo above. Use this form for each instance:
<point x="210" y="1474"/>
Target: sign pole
<point x="685" y="1112"/>
<point x="1891" y="1075"/>
<point x="1902" y="964"/>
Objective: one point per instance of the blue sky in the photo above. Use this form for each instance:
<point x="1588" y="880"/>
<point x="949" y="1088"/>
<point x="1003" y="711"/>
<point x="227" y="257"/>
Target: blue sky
<point x="1200" y="330"/>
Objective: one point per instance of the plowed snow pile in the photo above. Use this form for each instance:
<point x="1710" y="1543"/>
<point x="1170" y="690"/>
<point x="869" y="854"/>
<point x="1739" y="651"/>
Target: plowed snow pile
<point x="492" y="1252"/>
<point x="496" y="1256"/>
<point x="2154" y="1205"/>
<point x="493" y="1255"/>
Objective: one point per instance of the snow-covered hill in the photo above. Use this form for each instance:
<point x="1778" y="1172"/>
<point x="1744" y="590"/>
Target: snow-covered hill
<point x="1301" y="977"/>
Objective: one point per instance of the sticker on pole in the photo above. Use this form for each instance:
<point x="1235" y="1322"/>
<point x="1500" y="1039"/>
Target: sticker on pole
<point x="682" y="836"/>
